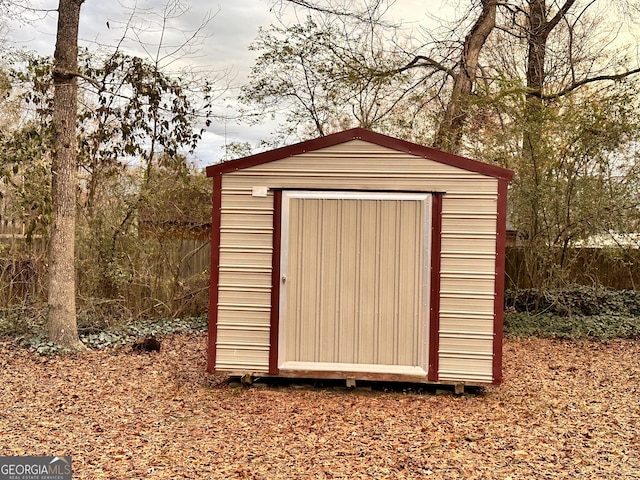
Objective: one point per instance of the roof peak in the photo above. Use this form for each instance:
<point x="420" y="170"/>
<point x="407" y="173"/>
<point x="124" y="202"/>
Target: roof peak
<point x="369" y="136"/>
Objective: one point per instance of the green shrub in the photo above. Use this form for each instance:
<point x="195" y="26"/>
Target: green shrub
<point x="578" y="312"/>
<point x="576" y="300"/>
<point x="594" y="327"/>
<point x="22" y="319"/>
<point x="121" y="335"/>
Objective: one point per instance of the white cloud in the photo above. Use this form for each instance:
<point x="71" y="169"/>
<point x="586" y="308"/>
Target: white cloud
<point x="224" y="47"/>
<point x="228" y="35"/>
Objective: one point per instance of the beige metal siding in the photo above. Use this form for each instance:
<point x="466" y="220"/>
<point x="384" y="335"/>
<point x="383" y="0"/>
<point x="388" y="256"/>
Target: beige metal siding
<point x="468" y="245"/>
<point x="244" y="304"/>
<point x="467" y="286"/>
<point x="354" y="281"/>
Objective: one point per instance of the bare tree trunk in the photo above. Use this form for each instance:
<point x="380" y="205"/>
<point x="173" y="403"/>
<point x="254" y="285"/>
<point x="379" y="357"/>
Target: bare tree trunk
<point x="449" y="134"/>
<point x="540" y="27"/>
<point x="61" y="322"/>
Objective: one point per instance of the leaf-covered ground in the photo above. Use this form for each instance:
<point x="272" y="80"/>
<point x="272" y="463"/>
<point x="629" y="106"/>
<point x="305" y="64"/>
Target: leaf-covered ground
<point x="565" y="410"/>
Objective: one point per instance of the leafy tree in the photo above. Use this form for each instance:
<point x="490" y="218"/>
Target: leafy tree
<point x="132" y="118"/>
<point x="545" y="89"/>
<point x="450" y="129"/>
<point x="386" y="82"/>
<point x="142" y="114"/>
<point x="561" y="111"/>
<point x="26" y="144"/>
<point x="591" y="184"/>
<point x="131" y="112"/>
<point x="235" y="150"/>
<point x="327" y="76"/>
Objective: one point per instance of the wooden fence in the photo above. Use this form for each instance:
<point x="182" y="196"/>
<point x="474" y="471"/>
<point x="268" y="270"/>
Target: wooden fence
<point x="171" y="278"/>
<point x="606" y="267"/>
<point x="177" y="276"/>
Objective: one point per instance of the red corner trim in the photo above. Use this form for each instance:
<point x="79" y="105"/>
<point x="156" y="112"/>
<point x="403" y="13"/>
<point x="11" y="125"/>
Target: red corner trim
<point x="498" y="307"/>
<point x="214" y="278"/>
<point x="275" y="283"/>
<point x="434" y="303"/>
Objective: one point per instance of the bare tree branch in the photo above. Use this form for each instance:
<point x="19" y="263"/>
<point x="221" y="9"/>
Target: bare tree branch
<point x="580" y="83"/>
<point x="372" y="12"/>
<point x="421" y="61"/>
<point x="551" y="24"/>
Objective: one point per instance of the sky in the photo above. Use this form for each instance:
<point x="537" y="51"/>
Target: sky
<point x="233" y="26"/>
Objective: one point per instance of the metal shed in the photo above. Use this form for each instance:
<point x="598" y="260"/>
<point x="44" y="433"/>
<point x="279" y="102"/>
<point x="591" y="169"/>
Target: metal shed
<point x="359" y="256"/>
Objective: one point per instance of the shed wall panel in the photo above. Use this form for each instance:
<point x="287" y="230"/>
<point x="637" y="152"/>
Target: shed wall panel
<point x="243" y="335"/>
<point x="465" y="287"/>
<point x="245" y="278"/>
<point x="467" y="263"/>
<point x="230" y="238"/>
<point x="248" y="259"/>
<point x="457" y="366"/>
<point x="466" y="242"/>
<point x="238" y="201"/>
<point x="461" y="320"/>
<point x="468" y="239"/>
<point x="460" y="342"/>
<point x="236" y="218"/>
<point x="466" y="223"/>
<point x="391" y="182"/>
<point x="237" y="295"/>
<point x="457" y="325"/>
<point x="472" y="303"/>
<point x="243" y="315"/>
<point x="241" y="359"/>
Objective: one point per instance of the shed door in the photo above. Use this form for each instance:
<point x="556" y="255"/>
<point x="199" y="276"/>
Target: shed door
<point x="354" y="292"/>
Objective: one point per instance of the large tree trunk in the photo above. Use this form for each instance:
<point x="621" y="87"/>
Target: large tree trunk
<point x="449" y="134"/>
<point x="538" y="34"/>
<point x="540" y="27"/>
<point x="61" y="322"/>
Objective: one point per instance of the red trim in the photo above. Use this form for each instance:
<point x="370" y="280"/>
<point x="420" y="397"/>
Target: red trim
<point x="368" y="136"/>
<point x="275" y="283"/>
<point x="434" y="303"/>
<point x="214" y="275"/>
<point x="498" y="306"/>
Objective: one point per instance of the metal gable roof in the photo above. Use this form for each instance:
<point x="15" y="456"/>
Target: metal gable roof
<point x="367" y="136"/>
